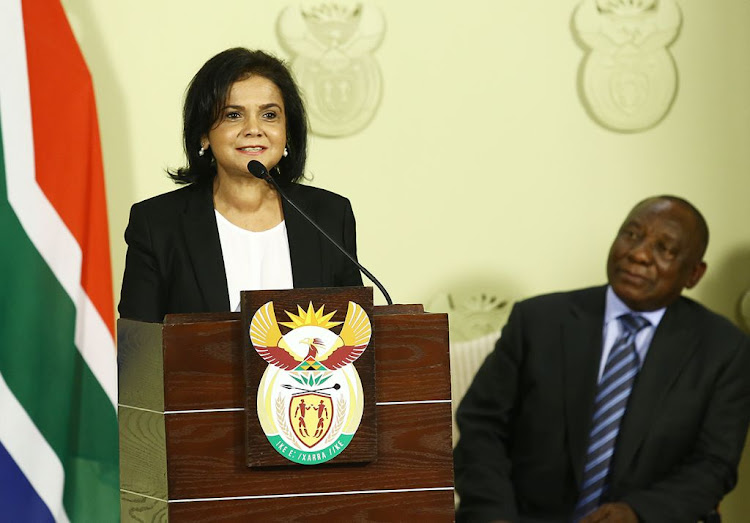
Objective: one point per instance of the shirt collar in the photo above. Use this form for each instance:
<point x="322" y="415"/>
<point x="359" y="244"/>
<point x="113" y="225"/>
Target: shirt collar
<point x="615" y="307"/>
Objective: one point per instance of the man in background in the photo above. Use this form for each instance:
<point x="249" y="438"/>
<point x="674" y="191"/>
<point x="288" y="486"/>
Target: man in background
<point x="621" y="403"/>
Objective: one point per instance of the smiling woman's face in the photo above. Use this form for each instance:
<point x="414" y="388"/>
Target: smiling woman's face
<point x="655" y="255"/>
<point x="251" y="126"/>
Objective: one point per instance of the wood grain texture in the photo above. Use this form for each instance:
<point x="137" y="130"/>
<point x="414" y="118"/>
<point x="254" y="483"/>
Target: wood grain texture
<point x="140" y="509"/>
<point x="182" y="318"/>
<point x="143" y="458"/>
<point x="206" y="457"/>
<point x="203" y="366"/>
<point x="411" y="355"/>
<point x="396" y="308"/>
<point x="399" y="308"/>
<point x="425" y="506"/>
<point x="140" y="378"/>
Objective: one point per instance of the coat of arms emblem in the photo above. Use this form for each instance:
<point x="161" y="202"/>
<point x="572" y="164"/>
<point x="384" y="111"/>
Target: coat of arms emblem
<point x="310" y="398"/>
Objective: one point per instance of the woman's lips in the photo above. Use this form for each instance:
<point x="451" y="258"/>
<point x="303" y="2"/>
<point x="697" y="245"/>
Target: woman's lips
<point x="252" y="150"/>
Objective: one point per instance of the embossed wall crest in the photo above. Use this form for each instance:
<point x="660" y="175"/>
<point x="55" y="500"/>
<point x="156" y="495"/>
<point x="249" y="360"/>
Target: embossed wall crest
<point x="332" y="45"/>
<point x="628" y="78"/>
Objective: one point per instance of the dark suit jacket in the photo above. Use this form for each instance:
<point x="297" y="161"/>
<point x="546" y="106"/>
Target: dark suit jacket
<point x="174" y="262"/>
<point x="525" y="420"/>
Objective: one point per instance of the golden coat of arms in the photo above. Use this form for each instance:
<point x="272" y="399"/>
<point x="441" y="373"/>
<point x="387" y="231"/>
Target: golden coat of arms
<point x="310" y="398"/>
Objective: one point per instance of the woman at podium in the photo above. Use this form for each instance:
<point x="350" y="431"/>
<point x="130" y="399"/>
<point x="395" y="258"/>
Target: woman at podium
<point x="194" y="249"/>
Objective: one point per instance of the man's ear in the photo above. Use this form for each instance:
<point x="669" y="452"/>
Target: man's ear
<point x="698" y="271"/>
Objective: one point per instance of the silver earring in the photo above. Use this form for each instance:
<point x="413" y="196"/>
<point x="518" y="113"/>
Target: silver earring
<point x="201" y="151"/>
<point x="286" y="152"/>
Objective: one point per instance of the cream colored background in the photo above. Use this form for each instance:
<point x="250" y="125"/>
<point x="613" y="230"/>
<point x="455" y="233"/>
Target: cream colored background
<point x="481" y="168"/>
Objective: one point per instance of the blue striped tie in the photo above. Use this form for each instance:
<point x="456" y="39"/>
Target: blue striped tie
<point x="609" y="407"/>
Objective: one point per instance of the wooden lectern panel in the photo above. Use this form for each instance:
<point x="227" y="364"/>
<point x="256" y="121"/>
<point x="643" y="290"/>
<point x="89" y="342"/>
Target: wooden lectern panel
<point x="207" y="457"/>
<point x="424" y="506"/>
<point x="185" y="461"/>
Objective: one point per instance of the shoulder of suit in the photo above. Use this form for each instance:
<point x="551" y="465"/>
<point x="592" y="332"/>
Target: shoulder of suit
<point x="169" y="200"/>
<point x="706" y="319"/>
<point x="558" y="306"/>
<point x="315" y="194"/>
<point x="579" y="297"/>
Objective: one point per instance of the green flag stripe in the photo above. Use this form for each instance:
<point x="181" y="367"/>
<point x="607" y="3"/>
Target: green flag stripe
<point x="48" y="376"/>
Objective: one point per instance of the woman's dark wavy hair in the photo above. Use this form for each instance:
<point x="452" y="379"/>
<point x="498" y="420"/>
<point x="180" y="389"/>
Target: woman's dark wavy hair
<point x="205" y="99"/>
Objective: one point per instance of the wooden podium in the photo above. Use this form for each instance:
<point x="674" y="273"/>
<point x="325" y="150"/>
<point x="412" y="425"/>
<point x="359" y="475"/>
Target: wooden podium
<point x="182" y="422"/>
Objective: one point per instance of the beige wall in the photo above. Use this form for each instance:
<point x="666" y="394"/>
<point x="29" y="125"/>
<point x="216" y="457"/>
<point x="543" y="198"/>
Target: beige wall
<point x="481" y="168"/>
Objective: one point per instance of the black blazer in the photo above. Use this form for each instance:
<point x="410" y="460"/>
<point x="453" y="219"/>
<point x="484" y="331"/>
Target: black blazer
<point x="174" y="262"/>
<point x="525" y="420"/>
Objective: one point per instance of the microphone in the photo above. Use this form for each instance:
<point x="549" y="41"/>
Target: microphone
<point x="259" y="170"/>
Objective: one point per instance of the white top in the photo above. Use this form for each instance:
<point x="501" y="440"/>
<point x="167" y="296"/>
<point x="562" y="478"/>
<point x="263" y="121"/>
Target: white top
<point x="254" y="260"/>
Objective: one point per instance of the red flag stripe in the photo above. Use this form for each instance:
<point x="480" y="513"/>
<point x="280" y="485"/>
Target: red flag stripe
<point x="67" y="151"/>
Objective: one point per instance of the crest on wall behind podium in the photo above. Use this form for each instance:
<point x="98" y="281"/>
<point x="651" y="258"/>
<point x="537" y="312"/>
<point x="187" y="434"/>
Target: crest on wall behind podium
<point x="332" y="44"/>
<point x="628" y="78"/>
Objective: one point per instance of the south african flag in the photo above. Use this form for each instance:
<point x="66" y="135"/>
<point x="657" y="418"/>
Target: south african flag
<point x="58" y="384"/>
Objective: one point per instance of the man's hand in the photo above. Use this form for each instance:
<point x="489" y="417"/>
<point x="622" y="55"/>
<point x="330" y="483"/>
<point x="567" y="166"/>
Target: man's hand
<point x="612" y="513"/>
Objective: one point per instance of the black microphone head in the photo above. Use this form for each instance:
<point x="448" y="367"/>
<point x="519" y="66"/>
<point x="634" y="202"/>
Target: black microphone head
<point x="257" y="169"/>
